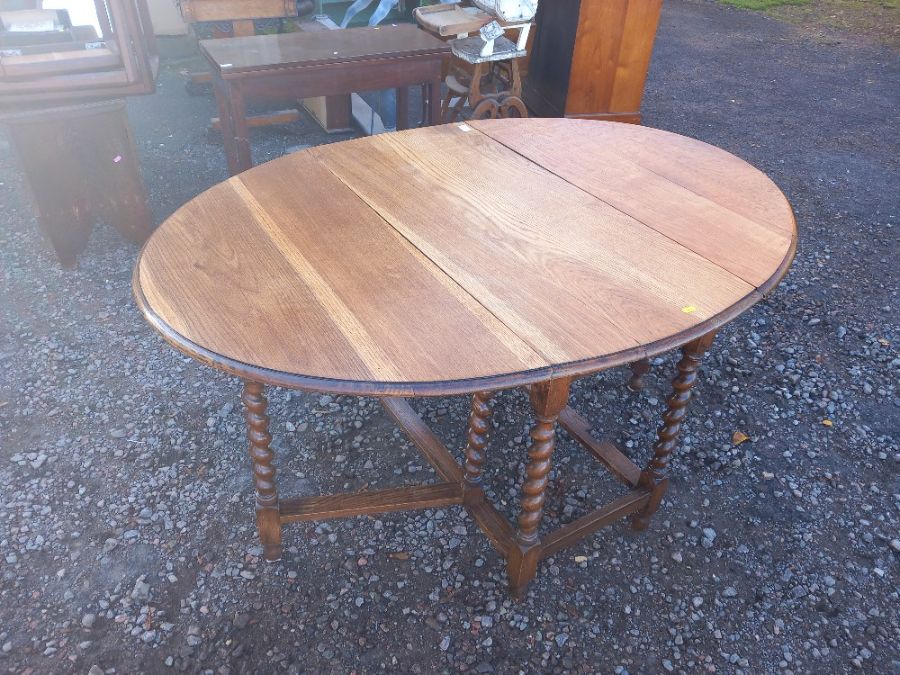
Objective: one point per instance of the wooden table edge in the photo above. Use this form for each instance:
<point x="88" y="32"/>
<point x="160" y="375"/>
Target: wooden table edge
<point x="575" y="369"/>
<point x="302" y="65"/>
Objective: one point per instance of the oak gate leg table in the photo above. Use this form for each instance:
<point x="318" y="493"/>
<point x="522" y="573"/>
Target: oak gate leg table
<point x="519" y="253"/>
<point x="325" y="63"/>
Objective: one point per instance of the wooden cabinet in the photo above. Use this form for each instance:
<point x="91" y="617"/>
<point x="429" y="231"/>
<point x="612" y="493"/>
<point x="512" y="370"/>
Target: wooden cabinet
<point x="590" y="58"/>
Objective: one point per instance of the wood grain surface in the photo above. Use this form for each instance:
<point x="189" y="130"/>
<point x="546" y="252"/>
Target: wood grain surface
<point x="465" y="257"/>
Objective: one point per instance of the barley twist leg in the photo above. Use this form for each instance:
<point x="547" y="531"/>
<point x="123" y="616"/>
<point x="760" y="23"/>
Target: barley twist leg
<point x="548" y="399"/>
<point x="268" y="520"/>
<point x="655" y="475"/>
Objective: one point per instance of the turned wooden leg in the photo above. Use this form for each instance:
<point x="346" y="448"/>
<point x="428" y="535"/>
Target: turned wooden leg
<point x="476" y="441"/>
<point x="268" y="520"/>
<point x="654" y="476"/>
<point x="548" y="399"/>
<point x="638" y="370"/>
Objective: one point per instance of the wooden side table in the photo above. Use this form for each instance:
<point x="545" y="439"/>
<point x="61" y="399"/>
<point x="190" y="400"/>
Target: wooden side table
<point x="545" y="250"/>
<point x="319" y="64"/>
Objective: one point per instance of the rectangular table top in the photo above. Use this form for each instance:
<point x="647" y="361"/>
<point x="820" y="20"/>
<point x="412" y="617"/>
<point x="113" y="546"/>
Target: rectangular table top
<point x="262" y="52"/>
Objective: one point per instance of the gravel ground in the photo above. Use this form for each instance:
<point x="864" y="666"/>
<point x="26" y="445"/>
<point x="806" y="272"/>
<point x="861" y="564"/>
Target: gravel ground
<point x="127" y="541"/>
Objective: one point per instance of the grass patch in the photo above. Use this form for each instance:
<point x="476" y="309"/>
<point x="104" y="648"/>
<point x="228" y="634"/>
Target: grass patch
<point x="762" y="4"/>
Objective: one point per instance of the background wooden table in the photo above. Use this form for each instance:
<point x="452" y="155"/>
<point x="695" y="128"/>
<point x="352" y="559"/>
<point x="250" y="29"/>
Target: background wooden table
<point x="309" y="64"/>
<point x="500" y="253"/>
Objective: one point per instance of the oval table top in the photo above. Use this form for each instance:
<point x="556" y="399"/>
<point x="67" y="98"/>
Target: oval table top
<point x="465" y="257"/>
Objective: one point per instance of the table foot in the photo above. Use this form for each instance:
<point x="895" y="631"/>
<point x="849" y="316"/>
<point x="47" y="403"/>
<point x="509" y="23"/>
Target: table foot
<point x="268" y="520"/>
<point x="654" y="476"/>
<point x="521" y="568"/>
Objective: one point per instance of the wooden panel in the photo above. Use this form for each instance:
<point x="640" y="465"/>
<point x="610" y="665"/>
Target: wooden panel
<point x="309" y="48"/>
<point x="612" y="458"/>
<point x="330" y="290"/>
<point x="374" y="501"/>
<point x="241" y="297"/>
<point x="591" y="58"/>
<point x="450" y="21"/>
<point x="612" y="53"/>
<point x="550" y="63"/>
<point x="39" y="65"/>
<point x="81" y="167"/>
<point x="132" y="71"/>
<point x="565" y="271"/>
<point x="336" y="78"/>
<point x="716" y="211"/>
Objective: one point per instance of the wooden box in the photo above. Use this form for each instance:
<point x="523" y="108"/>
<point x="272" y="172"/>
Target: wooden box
<point x="590" y="58"/>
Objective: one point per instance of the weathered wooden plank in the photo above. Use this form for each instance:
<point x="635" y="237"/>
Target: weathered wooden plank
<point x="375" y="501"/>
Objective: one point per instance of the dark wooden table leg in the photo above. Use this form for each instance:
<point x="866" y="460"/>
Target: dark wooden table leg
<point x="476" y="441"/>
<point x="241" y="128"/>
<point x="638" y="370"/>
<point x="548" y="399"/>
<point x="220" y="89"/>
<point x="268" y="519"/>
<point x="402" y="107"/>
<point x="654" y="476"/>
<point x="434" y="102"/>
<point x="235" y="129"/>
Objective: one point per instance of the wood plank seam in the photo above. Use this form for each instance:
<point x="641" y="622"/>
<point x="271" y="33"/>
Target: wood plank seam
<point x="434" y="266"/>
<point x="628" y="215"/>
<point x="345" y="321"/>
<point x="524" y="330"/>
<point x="516" y="345"/>
<point x="397" y="148"/>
